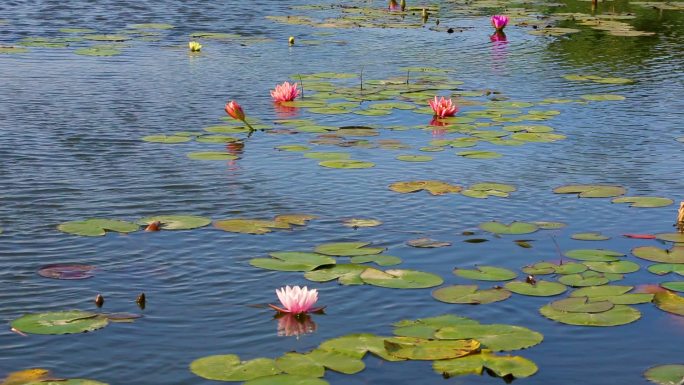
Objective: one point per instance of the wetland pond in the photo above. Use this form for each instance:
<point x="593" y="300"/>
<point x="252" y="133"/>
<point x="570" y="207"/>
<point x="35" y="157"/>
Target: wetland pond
<point x="528" y="237"/>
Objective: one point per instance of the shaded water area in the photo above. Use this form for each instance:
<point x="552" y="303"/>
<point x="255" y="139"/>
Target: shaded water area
<point x="71" y="149"/>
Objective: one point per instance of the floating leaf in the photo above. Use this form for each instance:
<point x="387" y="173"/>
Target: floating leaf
<point x="66" y="271"/>
<point x="292" y="261"/>
<point x="97" y="227"/>
<point x="171" y="139"/>
<point x="359" y="222"/>
<point x="10" y="50"/>
<point x="294" y="219"/>
<point x="211" y="155"/>
<point x="549" y="225"/>
<point x="666" y="268"/>
<point x="26" y="376"/>
<point x="656" y="254"/>
<point x="357" y="345"/>
<point x="513" y="228"/>
<point x="589" y="236"/>
<point x="215" y="139"/>
<point x="426" y="327"/>
<point x="537" y="137"/>
<point x="107" y="37"/>
<point x="434" y="187"/>
<point x="581" y="305"/>
<point x="400" y="279"/>
<point x="337" y="361"/>
<point x="300" y="364"/>
<point x="486" y="273"/>
<point x="671" y="237"/>
<point x="250" y="226"/>
<point x="673" y="285"/>
<point x="618" y="315"/>
<point x="414" y="158"/>
<point x="594" y="255"/>
<point x="470" y="294"/>
<point x="669" y="302"/>
<point x="502" y="366"/>
<point x="539" y="289"/>
<point x="615" y="294"/>
<point x="347" y="274"/>
<point x="60" y="322"/>
<point x="348" y="163"/>
<point x="427" y="243"/>
<point x="644" y="201"/>
<point x="479" y="154"/>
<point x="229" y="368"/>
<point x="380" y="260"/>
<point x="542" y="268"/>
<point x="421" y="349"/>
<point x="348" y="249"/>
<point x="494" y="337"/>
<point x="177" y="222"/>
<point x="588" y="278"/>
<point x="293" y="147"/>
<point x="602" y="97"/>
<point x="591" y="191"/>
<point x="152" y="26"/>
<point x="618" y="267"/>
<point x="665" y="374"/>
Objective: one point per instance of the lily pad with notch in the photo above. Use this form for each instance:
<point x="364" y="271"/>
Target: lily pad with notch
<point x="97" y="227"/>
<point x="470" y="294"/>
<point x="644" y="201"/>
<point x="486" y="273"/>
<point x="538" y="289"/>
<point x="400" y="278"/>
<point x="60" y="322"/>
<point x="67" y="271"/>
<point x="591" y="191"/>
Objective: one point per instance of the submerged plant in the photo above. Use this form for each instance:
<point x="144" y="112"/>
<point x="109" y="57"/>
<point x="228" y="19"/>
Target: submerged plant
<point x="296" y="300"/>
<point x="499" y="22"/>
<point x="443" y="107"/>
<point x="285" y="92"/>
<point x="235" y="111"/>
<point x="194" y="46"/>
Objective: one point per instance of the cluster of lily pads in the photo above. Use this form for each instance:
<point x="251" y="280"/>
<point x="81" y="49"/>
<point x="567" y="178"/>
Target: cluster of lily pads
<point x="456" y="346"/>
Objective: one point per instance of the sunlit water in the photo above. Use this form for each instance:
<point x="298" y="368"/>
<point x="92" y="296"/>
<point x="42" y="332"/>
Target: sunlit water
<point x="71" y="149"/>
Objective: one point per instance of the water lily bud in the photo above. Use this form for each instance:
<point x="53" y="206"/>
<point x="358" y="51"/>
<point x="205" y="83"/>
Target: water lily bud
<point x="194" y="46"/>
<point x="403" y="5"/>
<point x="99" y="300"/>
<point x="290" y="41"/>
<point x="235" y="111"/>
<point x="154" y="226"/>
<point x="141" y="300"/>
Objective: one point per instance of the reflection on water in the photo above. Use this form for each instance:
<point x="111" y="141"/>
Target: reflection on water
<point x="290" y="325"/>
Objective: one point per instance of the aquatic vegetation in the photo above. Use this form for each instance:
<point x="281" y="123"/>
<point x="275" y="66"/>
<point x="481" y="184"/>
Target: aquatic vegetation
<point x="43" y="376"/>
<point x="194" y="46"/>
<point x="285" y="92"/>
<point x="97" y="227"/>
<point x="443" y="107"/>
<point x="60" y="322"/>
<point x="296" y="300"/>
<point x="665" y="374"/>
<point x="66" y="271"/>
<point x="470" y="294"/>
<point x="262" y="226"/>
<point x="499" y="22"/>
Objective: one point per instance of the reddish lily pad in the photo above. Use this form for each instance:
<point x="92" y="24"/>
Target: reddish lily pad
<point x="67" y="271"/>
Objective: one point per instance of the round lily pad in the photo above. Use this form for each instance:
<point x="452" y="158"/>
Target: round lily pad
<point x="60" y="322"/>
<point x="67" y="271"/>
<point x="581" y="305"/>
<point x="99" y="50"/>
<point x="434" y="187"/>
<point x="539" y="137"/>
<point x="470" y="294"/>
<point x="380" y="260"/>
<point x="427" y="243"/>
<point x="591" y="191"/>
<point x="539" y="289"/>
<point x="346" y="163"/>
<point x="400" y="279"/>
<point x="673" y="285"/>
<point x="644" y="201"/>
<point x="348" y="249"/>
<point x="170" y="139"/>
<point x="589" y="236"/>
<point x="619" y="267"/>
<point x="486" y="273"/>
<point x="502" y="366"/>
<point x="300" y="364"/>
<point x="426" y="327"/>
<point x="656" y="254"/>
<point x="411" y="348"/>
<point x="545" y="225"/>
<point x="479" y="154"/>
<point x="10" y="50"/>
<point x="588" y="278"/>
<point x="615" y="294"/>
<point x="512" y="228"/>
<point x="671" y="237"/>
<point x="618" y="315"/>
<point x="327" y="155"/>
<point x="357" y="345"/>
<point x="346" y="274"/>
<point x="414" y="158"/>
<point x="542" y="268"/>
<point x="494" y="337"/>
<point x="666" y="268"/>
<point x="665" y="374"/>
<point x="594" y="255"/>
<point x="215" y="139"/>
<point x="229" y="367"/>
<point x="602" y="97"/>
<point x="292" y="261"/>
<point x="339" y="362"/>
<point x="177" y="222"/>
<point x="250" y="226"/>
<point x="669" y="302"/>
<point x="97" y="227"/>
<point x="360" y="222"/>
<point x="212" y="155"/>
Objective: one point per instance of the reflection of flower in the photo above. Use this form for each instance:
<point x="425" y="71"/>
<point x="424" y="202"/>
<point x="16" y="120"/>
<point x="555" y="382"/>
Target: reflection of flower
<point x="499" y="22"/>
<point x="498" y="37"/>
<point x="394" y="6"/>
<point x="296" y="300"/>
<point x="285" y="92"/>
<point x="194" y="46"/>
<point x="443" y="107"/>
<point x="235" y="148"/>
<point x="285" y="112"/>
<point x="290" y="325"/>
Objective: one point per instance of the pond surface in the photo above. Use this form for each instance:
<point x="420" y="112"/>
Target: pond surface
<point x="71" y="149"/>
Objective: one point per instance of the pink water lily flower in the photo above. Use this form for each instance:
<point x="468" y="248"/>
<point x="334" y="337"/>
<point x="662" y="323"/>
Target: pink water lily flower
<point x="235" y="111"/>
<point x="296" y="300"/>
<point x="443" y="107"/>
<point x="285" y="92"/>
<point x="499" y="21"/>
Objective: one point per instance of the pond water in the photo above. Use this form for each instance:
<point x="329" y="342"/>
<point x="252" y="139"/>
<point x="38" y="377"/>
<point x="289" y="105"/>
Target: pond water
<point x="71" y="149"/>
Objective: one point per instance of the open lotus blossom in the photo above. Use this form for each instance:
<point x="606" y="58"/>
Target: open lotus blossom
<point x="443" y="107"/>
<point x="285" y="92"/>
<point x="499" y="21"/>
<point x="296" y="300"/>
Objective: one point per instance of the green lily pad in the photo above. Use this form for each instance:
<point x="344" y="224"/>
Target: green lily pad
<point x="346" y="163"/>
<point x="591" y="191"/>
<point x="348" y="249"/>
<point x="486" y="186"/>
<point x="293" y="148"/>
<point x="99" y="50"/>
<point x="10" y="50"/>
<point x="76" y="30"/>
<point x="594" y="255"/>
<point x="502" y="366"/>
<point x="400" y="278"/>
<point x="486" y="273"/>
<point x="545" y="225"/>
<point x="292" y="261"/>
<point x="673" y="285"/>
<point x="346" y="274"/>
<point x="152" y="26"/>
<point x="538" y="137"/>
<point x="542" y="268"/>
<point x="644" y="201"/>
<point x="337" y="361"/>
<point x="229" y="367"/>
<point x="214" y="35"/>
<point x="166" y="139"/>
<point x="287" y="379"/>
<point x="414" y="158"/>
<point x="602" y="97"/>
<point x="589" y="236"/>
<point x="300" y="364"/>
<point x="479" y="154"/>
<point x="665" y="374"/>
<point x="516" y="228"/>
<point x="666" y="268"/>
<point x="211" y="155"/>
<point x="361" y="222"/>
<point x="426" y="327"/>
<point x="328" y="155"/>
<point x="671" y="237"/>
<point x="656" y="254"/>
<point x="421" y="349"/>
<point x="357" y="345"/>
<point x="380" y="260"/>
<point x="177" y="222"/>
<point x="618" y="267"/>
<point x="434" y="187"/>
<point x="588" y="278"/>
<point x="60" y="322"/>
<point x="97" y="227"/>
<point x="529" y="128"/>
<point x="615" y="294"/>
<point x="107" y="37"/>
<point x="669" y="302"/>
<point x="215" y="139"/>
<point x="581" y="305"/>
<point x="250" y="226"/>
<point x="618" y="315"/>
<point x="470" y="294"/>
<point x="427" y="243"/>
<point x="539" y="289"/>
<point x="68" y="381"/>
<point x="495" y="337"/>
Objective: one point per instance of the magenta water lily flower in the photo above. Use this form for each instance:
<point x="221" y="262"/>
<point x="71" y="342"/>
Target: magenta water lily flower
<point x="443" y="107"/>
<point x="499" y="22"/>
<point x="296" y="300"/>
<point x="285" y="92"/>
<point x="235" y="111"/>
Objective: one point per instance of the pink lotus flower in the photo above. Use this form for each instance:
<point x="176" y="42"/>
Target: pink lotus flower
<point x="285" y="92"/>
<point x="394" y="6"/>
<point x="296" y="300"/>
<point x="499" y="21"/>
<point x="235" y="111"/>
<point x="443" y="107"/>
